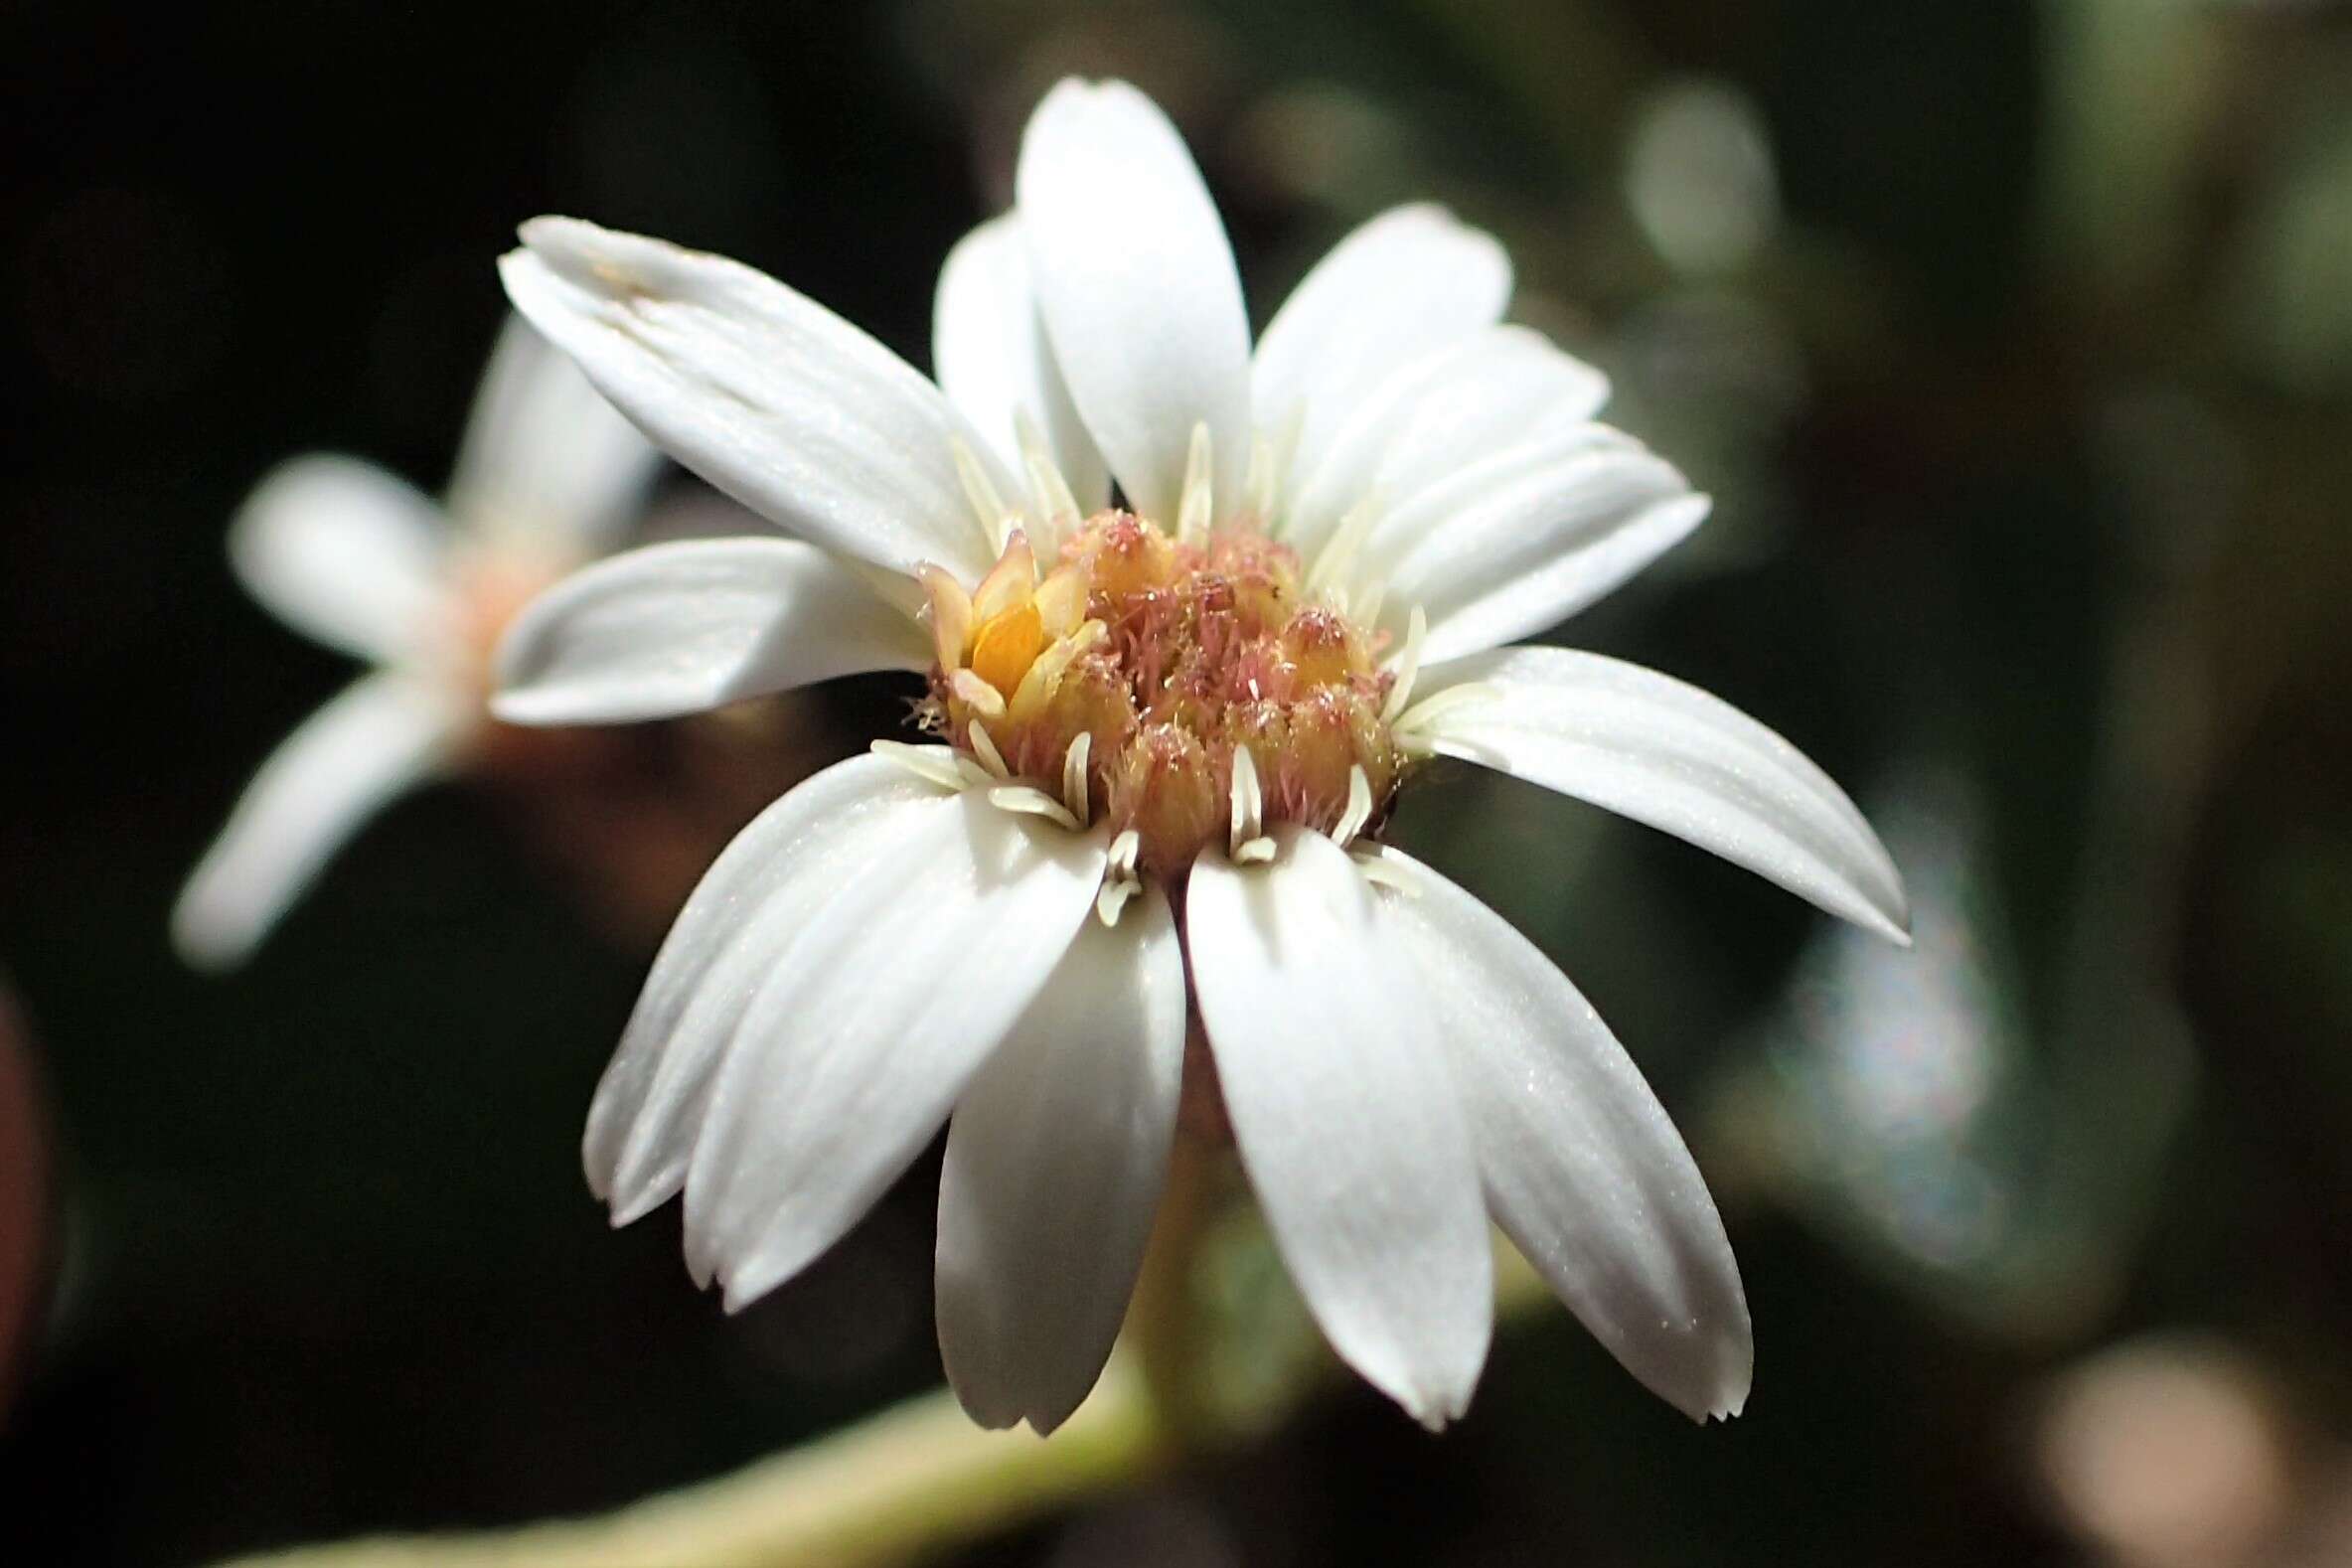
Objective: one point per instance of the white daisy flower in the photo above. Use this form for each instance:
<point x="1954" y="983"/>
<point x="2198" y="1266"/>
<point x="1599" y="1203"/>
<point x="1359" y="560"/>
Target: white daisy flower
<point x="1169" y="737"/>
<point x="548" y="477"/>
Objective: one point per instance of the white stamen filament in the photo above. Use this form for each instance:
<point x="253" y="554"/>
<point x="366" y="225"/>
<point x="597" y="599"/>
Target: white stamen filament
<point x="1408" y="667"/>
<point x="995" y="523"/>
<point x="1417" y="717"/>
<point x="1074" y="777"/>
<point x="1199" y="499"/>
<point x="1248" y="803"/>
<point x="937" y="764"/>
<point x="1120" y="881"/>
<point x="1379" y="870"/>
<point x="1055" y="505"/>
<point x="1340" y="554"/>
<point x="1258" y="489"/>
<point x="986" y="749"/>
<point x="1360" y="808"/>
<point x="973" y="689"/>
<point x="1032" y="801"/>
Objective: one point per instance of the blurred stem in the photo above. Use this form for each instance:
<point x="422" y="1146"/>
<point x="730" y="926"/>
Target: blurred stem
<point x="916" y="1477"/>
<point x="920" y="1475"/>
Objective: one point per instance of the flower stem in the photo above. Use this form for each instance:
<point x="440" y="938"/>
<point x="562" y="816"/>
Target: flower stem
<point x="915" y="1477"/>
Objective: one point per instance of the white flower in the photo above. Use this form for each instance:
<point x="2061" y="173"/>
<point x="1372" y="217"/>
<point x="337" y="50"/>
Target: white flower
<point x="548" y="477"/>
<point x="1171" y="735"/>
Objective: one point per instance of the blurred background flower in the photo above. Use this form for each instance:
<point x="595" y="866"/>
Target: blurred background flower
<point x="2016" y="346"/>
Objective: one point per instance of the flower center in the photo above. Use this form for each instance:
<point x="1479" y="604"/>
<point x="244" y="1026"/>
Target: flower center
<point x="1138" y="675"/>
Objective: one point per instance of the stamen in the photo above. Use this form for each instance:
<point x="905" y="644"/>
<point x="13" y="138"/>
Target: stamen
<point x="981" y="494"/>
<point x="1258" y="489"/>
<point x="1408" y="667"/>
<point x="983" y="698"/>
<point x="1340" y="554"/>
<point x="1199" y="501"/>
<point x="1124" y="852"/>
<point x="986" y="749"/>
<point x="936" y="764"/>
<point x="1248" y="804"/>
<point x="1055" y="505"/>
<point x="1074" y="777"/>
<point x="1010" y="581"/>
<point x="1032" y="802"/>
<point x="1113" y="898"/>
<point x="951" y="614"/>
<point x="1380" y="872"/>
<point x="1418" y="717"/>
<point x="1360" y="808"/>
<point x="1254" y="850"/>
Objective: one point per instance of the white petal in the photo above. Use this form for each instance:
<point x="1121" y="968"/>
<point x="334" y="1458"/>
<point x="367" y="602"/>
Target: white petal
<point x="755" y="898"/>
<point x="1535" y="548"/>
<point x="1139" y="289"/>
<point x="678" y="628"/>
<point x="989" y="352"/>
<point x="1328" y="1053"/>
<point x="767" y="394"/>
<point x="546" y="461"/>
<point x="1410" y="282"/>
<point x="1435" y="420"/>
<point x="1582" y="1168"/>
<point x="1055" y="1159"/>
<point x="343" y="552"/>
<point x="381" y="735"/>
<point x="1668" y="754"/>
<point x="874" y="1018"/>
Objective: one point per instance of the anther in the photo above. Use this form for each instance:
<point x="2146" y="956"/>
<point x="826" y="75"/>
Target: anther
<point x="936" y="764"/>
<point x="1408" y="667"/>
<point x="1248" y="804"/>
<point x="1074" y="777"/>
<point x="1360" y="808"/>
<point x="1056" y="504"/>
<point x="1032" y="801"/>
<point x="1199" y="499"/>
<point x="986" y="749"/>
<point x="981" y="494"/>
<point x="984" y="699"/>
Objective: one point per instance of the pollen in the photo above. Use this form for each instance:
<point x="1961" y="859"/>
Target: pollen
<point x="1135" y="679"/>
<point x="1006" y="646"/>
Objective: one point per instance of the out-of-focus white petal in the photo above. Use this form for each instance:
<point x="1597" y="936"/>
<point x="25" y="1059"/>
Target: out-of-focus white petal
<point x="1575" y="519"/>
<point x="1055" y="1159"/>
<point x="1328" y="1054"/>
<point x="382" y="734"/>
<point x="989" y="352"/>
<point x="343" y="552"/>
<point x="678" y="628"/>
<point x="767" y="394"/>
<point x="1139" y="289"/>
<point x="1435" y="420"/>
<point x="752" y="903"/>
<point x="1582" y="1167"/>
<point x="1410" y="282"/>
<point x="871" y="1021"/>
<point x="1665" y="753"/>
<point x="546" y="461"/>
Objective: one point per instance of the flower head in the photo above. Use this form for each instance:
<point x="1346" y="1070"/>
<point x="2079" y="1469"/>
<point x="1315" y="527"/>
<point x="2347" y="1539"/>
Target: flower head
<point x="548" y="477"/>
<point x="1168" y="734"/>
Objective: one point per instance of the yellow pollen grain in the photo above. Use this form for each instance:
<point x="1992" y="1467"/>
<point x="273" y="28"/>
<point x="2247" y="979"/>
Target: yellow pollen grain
<point x="1007" y="643"/>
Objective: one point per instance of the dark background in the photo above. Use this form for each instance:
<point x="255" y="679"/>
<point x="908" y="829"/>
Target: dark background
<point x="2023" y="375"/>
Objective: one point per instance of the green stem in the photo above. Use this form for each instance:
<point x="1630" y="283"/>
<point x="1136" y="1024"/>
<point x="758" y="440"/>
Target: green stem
<point x="918" y="1475"/>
